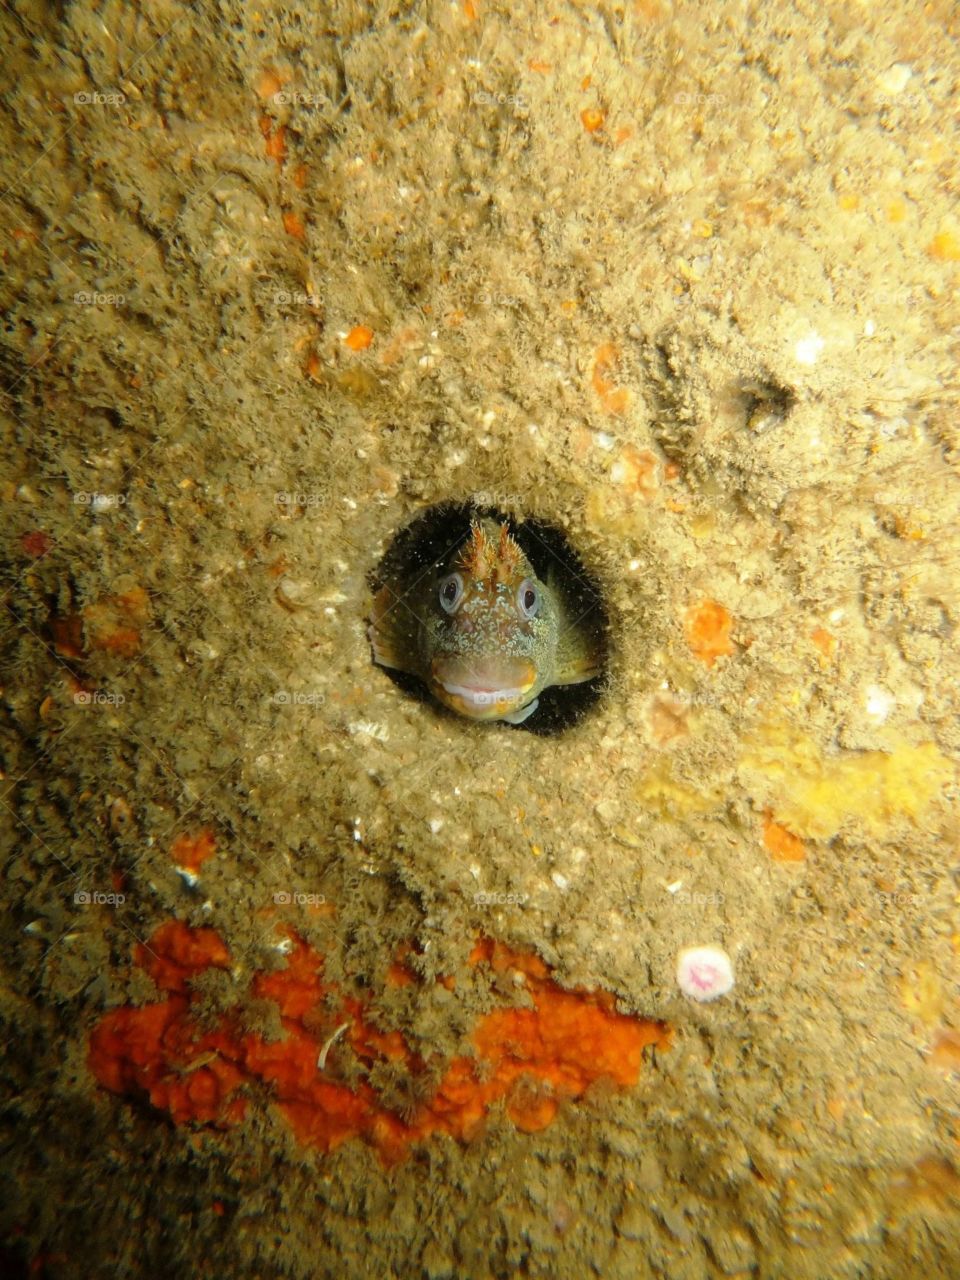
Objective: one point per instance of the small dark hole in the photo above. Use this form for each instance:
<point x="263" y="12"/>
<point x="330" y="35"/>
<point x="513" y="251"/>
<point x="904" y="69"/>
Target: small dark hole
<point x="766" y="404"/>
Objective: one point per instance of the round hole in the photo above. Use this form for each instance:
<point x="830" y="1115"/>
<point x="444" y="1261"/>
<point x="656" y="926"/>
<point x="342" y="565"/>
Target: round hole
<point x="558" y="626"/>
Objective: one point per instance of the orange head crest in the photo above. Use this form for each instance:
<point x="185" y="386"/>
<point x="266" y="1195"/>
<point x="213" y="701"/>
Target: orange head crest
<point x="480" y="557"/>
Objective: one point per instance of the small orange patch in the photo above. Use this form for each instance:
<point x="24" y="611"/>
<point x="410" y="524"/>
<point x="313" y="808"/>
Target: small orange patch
<point x="614" y="399"/>
<point x="592" y="119"/>
<point x="636" y="470"/>
<point x="276" y="140"/>
<point x="781" y="844"/>
<point x="269" y="83"/>
<point x="825" y="642"/>
<point x="191" y="852"/>
<point x="932" y="1179"/>
<point x="542" y="68"/>
<point x="836" y="1108"/>
<point x="502" y="959"/>
<point x="293" y="225"/>
<point x="945" y="1053"/>
<point x="113" y="624"/>
<point x="707" y="628"/>
<point x="359" y="338"/>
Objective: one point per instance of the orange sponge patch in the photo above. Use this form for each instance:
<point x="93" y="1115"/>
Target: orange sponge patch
<point x="614" y="399"/>
<point x="533" y="1058"/>
<point x="781" y="844"/>
<point x="156" y="1051"/>
<point x="359" y="338"/>
<point x="569" y="1040"/>
<point x="707" y="628"/>
<point x="114" y="623"/>
<point x="191" y="852"/>
<point x="176" y="953"/>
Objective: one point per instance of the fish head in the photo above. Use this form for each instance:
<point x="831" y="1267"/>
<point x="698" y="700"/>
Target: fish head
<point x="491" y="630"/>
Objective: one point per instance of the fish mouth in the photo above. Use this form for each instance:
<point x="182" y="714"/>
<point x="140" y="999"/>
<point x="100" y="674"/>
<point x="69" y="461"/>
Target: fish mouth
<point x="483" y="688"/>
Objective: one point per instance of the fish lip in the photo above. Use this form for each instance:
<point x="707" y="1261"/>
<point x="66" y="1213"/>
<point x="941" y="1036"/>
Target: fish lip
<point x="485" y="697"/>
<point x="483" y="685"/>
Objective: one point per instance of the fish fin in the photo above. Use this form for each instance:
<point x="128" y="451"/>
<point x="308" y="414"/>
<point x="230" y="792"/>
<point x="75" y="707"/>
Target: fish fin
<point x="576" y="661"/>
<point x="393" y="632"/>
<point x="579" y="655"/>
<point x="518" y="717"/>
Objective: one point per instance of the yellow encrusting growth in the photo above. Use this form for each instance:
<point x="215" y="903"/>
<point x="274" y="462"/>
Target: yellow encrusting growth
<point x="922" y="993"/>
<point x="659" y="792"/>
<point x="945" y="247"/>
<point x="815" y="795"/>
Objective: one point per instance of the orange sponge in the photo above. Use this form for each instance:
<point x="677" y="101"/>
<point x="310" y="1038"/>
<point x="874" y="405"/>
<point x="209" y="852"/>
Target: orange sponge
<point x="532" y="1058"/>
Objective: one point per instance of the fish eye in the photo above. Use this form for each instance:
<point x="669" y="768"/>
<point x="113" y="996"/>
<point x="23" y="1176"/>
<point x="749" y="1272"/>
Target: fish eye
<point x="528" y="598"/>
<point x="451" y="592"/>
